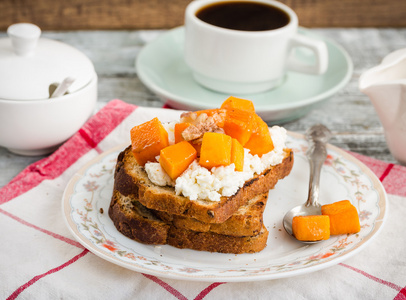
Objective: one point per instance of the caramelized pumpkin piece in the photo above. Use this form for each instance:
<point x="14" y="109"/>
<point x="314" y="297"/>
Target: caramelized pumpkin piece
<point x="238" y="103"/>
<point x="215" y="151"/>
<point x="237" y="155"/>
<point x="147" y="140"/>
<point x="343" y="217"/>
<point x="176" y="158"/>
<point x="238" y="124"/>
<point x="179" y="127"/>
<point x="311" y="228"/>
<point x="260" y="141"/>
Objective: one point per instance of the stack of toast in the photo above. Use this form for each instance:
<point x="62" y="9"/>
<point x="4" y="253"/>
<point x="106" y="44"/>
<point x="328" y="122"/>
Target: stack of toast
<point x="155" y="215"/>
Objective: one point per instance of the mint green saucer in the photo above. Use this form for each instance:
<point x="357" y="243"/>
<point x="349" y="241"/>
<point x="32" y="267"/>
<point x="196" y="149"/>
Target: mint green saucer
<point x="161" y="67"/>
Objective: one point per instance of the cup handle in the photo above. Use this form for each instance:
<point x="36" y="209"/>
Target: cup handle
<point x="319" y="49"/>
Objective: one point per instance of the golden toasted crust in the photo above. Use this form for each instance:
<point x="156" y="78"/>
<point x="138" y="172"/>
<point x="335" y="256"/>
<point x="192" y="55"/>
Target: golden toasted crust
<point x="137" y="222"/>
<point x="141" y="224"/>
<point x="131" y="180"/>
<point x="213" y="242"/>
<point x="246" y="221"/>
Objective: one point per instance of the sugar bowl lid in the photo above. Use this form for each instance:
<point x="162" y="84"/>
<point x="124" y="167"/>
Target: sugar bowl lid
<point x="29" y="65"/>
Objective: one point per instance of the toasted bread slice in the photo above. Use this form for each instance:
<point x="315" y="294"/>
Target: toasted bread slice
<point x="132" y="180"/>
<point x="141" y="224"/>
<point x="137" y="222"/>
<point x="246" y="221"/>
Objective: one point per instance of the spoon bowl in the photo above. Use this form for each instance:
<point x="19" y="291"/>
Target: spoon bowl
<point x="301" y="210"/>
<point x="317" y="136"/>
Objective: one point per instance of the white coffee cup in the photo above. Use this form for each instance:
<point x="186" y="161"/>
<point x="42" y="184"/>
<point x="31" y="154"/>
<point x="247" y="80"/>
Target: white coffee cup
<point x="237" y="61"/>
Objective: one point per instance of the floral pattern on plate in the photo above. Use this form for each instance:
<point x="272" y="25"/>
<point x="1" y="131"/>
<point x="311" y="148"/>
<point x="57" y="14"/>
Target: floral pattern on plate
<point x="87" y="197"/>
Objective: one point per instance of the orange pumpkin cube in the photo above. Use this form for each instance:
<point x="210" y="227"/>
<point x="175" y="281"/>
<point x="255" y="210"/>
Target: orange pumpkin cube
<point x="147" y="140"/>
<point x="215" y="151"/>
<point x="311" y="228"/>
<point x="175" y="159"/>
<point x="238" y="124"/>
<point x="238" y="103"/>
<point x="343" y="217"/>
<point x="237" y="155"/>
<point x="260" y="141"/>
<point x="179" y="127"/>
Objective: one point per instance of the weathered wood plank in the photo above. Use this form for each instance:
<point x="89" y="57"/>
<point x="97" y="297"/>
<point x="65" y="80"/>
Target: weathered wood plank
<point x="153" y="14"/>
<point x="93" y="14"/>
<point x="349" y="13"/>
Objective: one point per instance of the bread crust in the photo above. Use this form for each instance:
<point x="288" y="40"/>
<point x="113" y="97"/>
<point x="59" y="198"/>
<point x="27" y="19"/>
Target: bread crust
<point x="213" y="242"/>
<point x="131" y="180"/>
<point x="142" y="225"/>
<point x="135" y="223"/>
<point x="246" y="221"/>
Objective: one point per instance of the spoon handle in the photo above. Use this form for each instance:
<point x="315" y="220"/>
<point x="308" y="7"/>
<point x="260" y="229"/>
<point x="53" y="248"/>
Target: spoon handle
<point x="317" y="136"/>
<point x="63" y="87"/>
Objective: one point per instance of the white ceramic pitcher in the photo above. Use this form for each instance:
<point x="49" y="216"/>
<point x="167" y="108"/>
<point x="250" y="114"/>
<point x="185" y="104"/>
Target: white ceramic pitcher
<point x="385" y="85"/>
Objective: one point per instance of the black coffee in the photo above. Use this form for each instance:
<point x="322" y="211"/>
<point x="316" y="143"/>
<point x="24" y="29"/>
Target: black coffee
<point x="245" y="15"/>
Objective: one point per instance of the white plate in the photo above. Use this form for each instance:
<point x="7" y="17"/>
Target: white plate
<point x="161" y="67"/>
<point x="343" y="177"/>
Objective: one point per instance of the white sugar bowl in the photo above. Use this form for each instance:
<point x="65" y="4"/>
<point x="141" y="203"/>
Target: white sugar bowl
<point x="31" y="122"/>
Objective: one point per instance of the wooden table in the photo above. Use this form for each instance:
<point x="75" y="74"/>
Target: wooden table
<point x="349" y="113"/>
<point x="156" y="14"/>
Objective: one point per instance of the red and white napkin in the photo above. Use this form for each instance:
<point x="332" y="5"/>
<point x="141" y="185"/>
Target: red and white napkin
<point x="40" y="259"/>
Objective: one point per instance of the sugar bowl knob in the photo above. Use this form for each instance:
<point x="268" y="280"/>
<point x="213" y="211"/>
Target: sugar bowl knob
<point x="24" y="38"/>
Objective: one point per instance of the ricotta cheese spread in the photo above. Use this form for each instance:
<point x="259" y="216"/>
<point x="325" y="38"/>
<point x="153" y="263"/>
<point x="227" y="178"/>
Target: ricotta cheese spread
<point x="157" y="174"/>
<point x="198" y="182"/>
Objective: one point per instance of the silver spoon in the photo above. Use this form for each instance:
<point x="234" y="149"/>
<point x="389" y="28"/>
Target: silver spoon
<point x="317" y="136"/>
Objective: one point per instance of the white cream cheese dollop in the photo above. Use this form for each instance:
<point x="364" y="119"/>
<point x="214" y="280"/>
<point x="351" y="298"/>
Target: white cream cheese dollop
<point x="157" y="174"/>
<point x="198" y="182"/>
